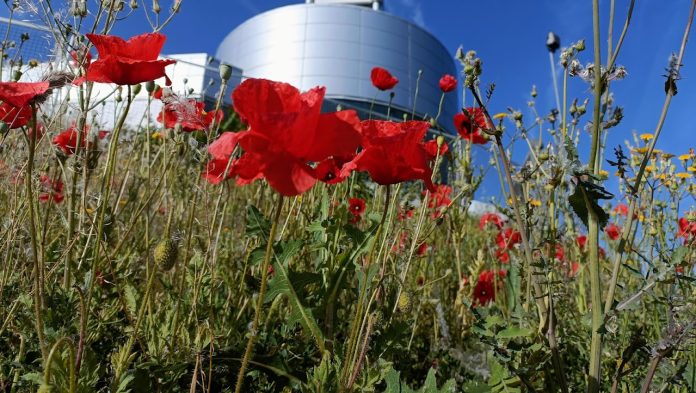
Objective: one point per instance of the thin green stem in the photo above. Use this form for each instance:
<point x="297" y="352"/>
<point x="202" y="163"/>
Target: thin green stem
<point x="253" y="334"/>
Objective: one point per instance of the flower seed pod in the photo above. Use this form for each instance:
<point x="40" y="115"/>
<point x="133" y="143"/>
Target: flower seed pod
<point x="404" y="302"/>
<point x="166" y="253"/>
<point x="225" y="72"/>
<point x="156" y="6"/>
<point x="135" y="89"/>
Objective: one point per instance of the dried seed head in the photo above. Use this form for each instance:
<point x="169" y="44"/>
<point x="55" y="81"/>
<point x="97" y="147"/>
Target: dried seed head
<point x="404" y="302"/>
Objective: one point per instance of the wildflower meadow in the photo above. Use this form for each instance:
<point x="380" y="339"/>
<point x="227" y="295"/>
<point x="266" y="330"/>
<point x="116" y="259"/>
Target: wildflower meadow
<point x="271" y="245"/>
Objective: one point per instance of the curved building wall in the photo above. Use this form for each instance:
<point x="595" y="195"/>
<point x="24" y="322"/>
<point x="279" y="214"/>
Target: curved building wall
<point x="337" y="46"/>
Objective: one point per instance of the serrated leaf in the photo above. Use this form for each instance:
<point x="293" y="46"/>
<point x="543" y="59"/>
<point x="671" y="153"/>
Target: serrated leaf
<point x="256" y="223"/>
<point x="580" y="208"/>
<point x="282" y="284"/>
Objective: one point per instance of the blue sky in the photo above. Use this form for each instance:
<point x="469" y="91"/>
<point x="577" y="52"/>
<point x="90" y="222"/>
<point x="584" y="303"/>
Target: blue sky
<point x="509" y="36"/>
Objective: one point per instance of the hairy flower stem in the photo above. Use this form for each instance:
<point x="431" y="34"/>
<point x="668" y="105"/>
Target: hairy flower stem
<point x="594" y="375"/>
<point x="105" y="190"/>
<point x="253" y="334"/>
<point x="529" y="259"/>
<point x="356" y="327"/>
<point x="72" y="381"/>
<point x="38" y="266"/>
<point x="624" y="244"/>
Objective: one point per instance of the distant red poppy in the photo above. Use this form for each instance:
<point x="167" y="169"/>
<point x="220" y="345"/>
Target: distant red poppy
<point x="448" y="83"/>
<point x="422" y="249"/>
<point x="490" y="218"/>
<point x="127" y="62"/>
<point x="431" y="149"/>
<point x="67" y="141"/>
<point x="393" y="152"/>
<point x="383" y="79"/>
<point x="356" y="206"/>
<point x="329" y="170"/>
<point x="574" y="269"/>
<point x="487" y="285"/>
<point x="287" y="132"/>
<point x="613" y="231"/>
<point x="190" y="114"/>
<point x="687" y="228"/>
<point x="21" y="94"/>
<point x="15" y="117"/>
<point x="582" y="241"/>
<point x="53" y="190"/>
<point x="508" y="238"/>
<point x="502" y="255"/>
<point x="470" y="125"/>
<point x="621" y="209"/>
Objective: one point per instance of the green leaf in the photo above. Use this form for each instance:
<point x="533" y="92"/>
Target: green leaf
<point x="580" y="208"/>
<point x="256" y="223"/>
<point x="679" y="254"/>
<point x="514" y="332"/>
<point x="394" y="384"/>
<point x="282" y="284"/>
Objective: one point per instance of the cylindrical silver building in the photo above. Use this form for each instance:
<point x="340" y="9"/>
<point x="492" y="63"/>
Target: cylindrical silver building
<point x="335" y="44"/>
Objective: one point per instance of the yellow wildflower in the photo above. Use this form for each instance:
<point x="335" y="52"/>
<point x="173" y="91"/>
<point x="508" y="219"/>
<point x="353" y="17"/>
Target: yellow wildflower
<point x="500" y="115"/>
<point x="691" y="169"/>
<point x="650" y="168"/>
<point x="603" y="173"/>
<point x="684" y="175"/>
<point x="641" y="150"/>
<point x="685" y="157"/>
<point x="535" y="202"/>
<point x="646" y="137"/>
<point x="157" y="135"/>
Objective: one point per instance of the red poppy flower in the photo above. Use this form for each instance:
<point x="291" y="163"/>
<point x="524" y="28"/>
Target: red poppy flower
<point x="53" y="190"/>
<point x="431" y="149"/>
<point x="491" y="218"/>
<point x="574" y="268"/>
<point x="448" y="83"/>
<point x="621" y="209"/>
<point x="356" y="206"/>
<point x="508" y="238"/>
<point x="21" y="94"/>
<point x="503" y="256"/>
<point x="15" y="117"/>
<point x="440" y="198"/>
<point x="127" y="62"/>
<point x="560" y="252"/>
<point x="190" y="114"/>
<point x="393" y="152"/>
<point x="405" y="214"/>
<point x="81" y="62"/>
<point x="612" y="231"/>
<point x="67" y="141"/>
<point x="485" y="289"/>
<point x="422" y="249"/>
<point x="582" y="241"/>
<point x="329" y="170"/>
<point x="286" y="133"/>
<point x="383" y="79"/>
<point x="687" y="228"/>
<point x="470" y="125"/>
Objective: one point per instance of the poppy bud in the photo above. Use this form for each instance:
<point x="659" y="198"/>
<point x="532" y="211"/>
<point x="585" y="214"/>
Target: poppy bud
<point x="543" y="156"/>
<point x="33" y="63"/>
<point x="404" y="302"/>
<point x="16" y="75"/>
<point x="150" y="86"/>
<point x="4" y="128"/>
<point x="118" y="97"/>
<point x="580" y="46"/>
<point x="459" y="55"/>
<point x="136" y="89"/>
<point x="24" y="37"/>
<point x="225" y="72"/>
<point x="176" y="5"/>
<point x="553" y="42"/>
<point x="165" y="254"/>
<point x="133" y="4"/>
<point x="440" y="140"/>
<point x="432" y="122"/>
<point x="156" y="7"/>
<point x="534" y="91"/>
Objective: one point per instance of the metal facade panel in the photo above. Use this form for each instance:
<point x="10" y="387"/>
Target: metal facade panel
<point x="337" y="46"/>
